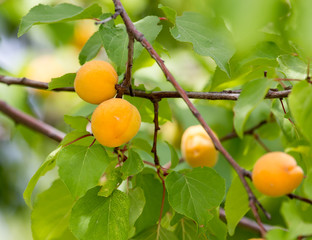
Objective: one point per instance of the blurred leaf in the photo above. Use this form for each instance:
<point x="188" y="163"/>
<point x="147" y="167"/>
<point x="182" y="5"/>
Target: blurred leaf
<point x="76" y="122"/>
<point x="68" y="235"/>
<point x="140" y="143"/>
<point x="297" y="226"/>
<point x="66" y="80"/>
<point x="174" y="156"/>
<point x="307" y="183"/>
<point x="252" y="94"/>
<point x="187" y="230"/>
<point x="153" y="190"/>
<point x="44" y="14"/>
<point x="217" y="229"/>
<point x="81" y="167"/>
<point x="151" y="234"/>
<point x="195" y="193"/>
<point x="46" y="166"/>
<point x="292" y="66"/>
<point x="50" y="216"/>
<point x="276" y="234"/>
<point x="236" y="204"/>
<point x="91" y="48"/>
<point x="111" y="182"/>
<point x="300" y="103"/>
<point x="132" y="166"/>
<point x="137" y="203"/>
<point x="100" y="218"/>
<point x="207" y="39"/>
<point x="115" y="40"/>
<point x="170" y="13"/>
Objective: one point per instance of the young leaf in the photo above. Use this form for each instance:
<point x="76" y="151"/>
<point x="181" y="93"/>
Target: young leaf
<point x="153" y="189"/>
<point x="300" y="103"/>
<point x="50" y="216"/>
<point x="66" y="80"/>
<point x="174" y="156"/>
<point x="46" y="166"/>
<point x="207" y="39"/>
<point x="292" y="66"/>
<point x="91" y="48"/>
<point x="195" y="193"/>
<point x="151" y="234"/>
<point x="252" y="94"/>
<point x="99" y="218"/>
<point x="43" y="14"/>
<point x="137" y="203"/>
<point x="236" y="204"/>
<point x="81" y="167"/>
<point x="115" y="40"/>
<point x="170" y="13"/>
<point x="76" y="122"/>
<point x="133" y="165"/>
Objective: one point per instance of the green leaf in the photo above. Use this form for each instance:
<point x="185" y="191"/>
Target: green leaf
<point x="217" y="229"/>
<point x="300" y="103"/>
<point x="81" y="167"/>
<point x="207" y="39"/>
<point x="187" y="230"/>
<point x="307" y="183"/>
<point x="292" y="66"/>
<point x="115" y="40"/>
<point x="170" y="13"/>
<point x="142" y="144"/>
<point x="196" y="193"/>
<point x="46" y="166"/>
<point x="50" y="216"/>
<point x="236" y="204"/>
<point x="91" y="48"/>
<point x="153" y="190"/>
<point x="44" y="14"/>
<point x="276" y="234"/>
<point x="137" y="203"/>
<point x="151" y="234"/>
<point x="76" y="122"/>
<point x="99" y="218"/>
<point x="133" y="165"/>
<point x="174" y="156"/>
<point x="111" y="182"/>
<point x="297" y="225"/>
<point x="66" y="80"/>
<point x="252" y="94"/>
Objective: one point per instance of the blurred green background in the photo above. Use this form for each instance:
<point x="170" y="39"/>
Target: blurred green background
<point x="48" y="51"/>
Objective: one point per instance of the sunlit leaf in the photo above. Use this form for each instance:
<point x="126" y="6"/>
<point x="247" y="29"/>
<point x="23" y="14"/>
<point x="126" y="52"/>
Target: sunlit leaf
<point x="66" y="80"/>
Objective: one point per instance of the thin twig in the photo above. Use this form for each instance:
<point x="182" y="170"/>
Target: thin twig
<point x="140" y="37"/>
<point x="293" y="196"/>
<point x="77" y="139"/>
<point x="257" y="138"/>
<point x="31" y="122"/>
<point x="114" y="16"/>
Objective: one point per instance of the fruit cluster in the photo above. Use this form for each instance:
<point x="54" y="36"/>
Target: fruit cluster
<point x="274" y="174"/>
<point x="114" y="121"/>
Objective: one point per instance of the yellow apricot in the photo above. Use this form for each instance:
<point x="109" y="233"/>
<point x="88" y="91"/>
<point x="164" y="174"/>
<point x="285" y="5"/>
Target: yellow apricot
<point x="276" y="174"/>
<point x="83" y="30"/>
<point x="197" y="147"/>
<point x="115" y="122"/>
<point x="95" y="81"/>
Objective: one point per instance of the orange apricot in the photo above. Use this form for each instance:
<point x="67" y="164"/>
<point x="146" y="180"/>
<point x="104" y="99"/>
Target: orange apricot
<point x="95" y="81"/>
<point x="276" y="174"/>
<point x="197" y="147"/>
<point x="115" y="122"/>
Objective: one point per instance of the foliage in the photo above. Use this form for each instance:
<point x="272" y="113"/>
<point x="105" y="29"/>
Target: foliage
<point x="141" y="190"/>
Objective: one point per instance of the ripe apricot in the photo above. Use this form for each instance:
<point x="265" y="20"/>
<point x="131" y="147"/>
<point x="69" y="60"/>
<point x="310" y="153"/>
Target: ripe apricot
<point x="276" y="174"/>
<point x="197" y="147"/>
<point x="95" y="81"/>
<point x="115" y="122"/>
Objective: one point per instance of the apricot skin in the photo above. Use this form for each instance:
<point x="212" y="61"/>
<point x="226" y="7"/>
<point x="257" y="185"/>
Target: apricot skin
<point x="115" y="122"/>
<point x="95" y="81"/>
<point x="276" y="174"/>
<point x="197" y="147"/>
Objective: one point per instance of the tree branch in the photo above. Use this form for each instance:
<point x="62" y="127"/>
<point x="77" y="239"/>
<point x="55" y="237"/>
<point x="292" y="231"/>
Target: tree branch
<point x="140" y="37"/>
<point x="31" y="122"/>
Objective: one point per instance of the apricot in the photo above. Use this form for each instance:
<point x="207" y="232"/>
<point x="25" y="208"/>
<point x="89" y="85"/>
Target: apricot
<point x="276" y="174"/>
<point x="115" y="122"/>
<point x="95" y="81"/>
<point x="197" y="147"/>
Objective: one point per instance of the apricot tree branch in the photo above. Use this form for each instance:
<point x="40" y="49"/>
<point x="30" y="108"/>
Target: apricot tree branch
<point x="293" y="196"/>
<point x="31" y="122"/>
<point x="224" y="95"/>
<point x="239" y="170"/>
